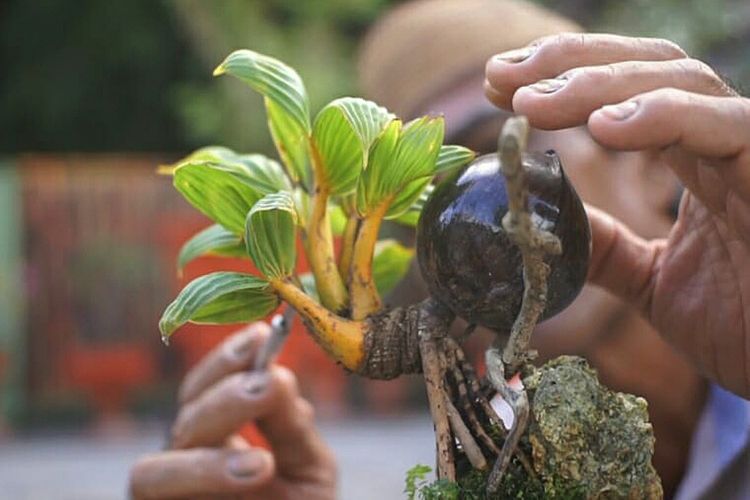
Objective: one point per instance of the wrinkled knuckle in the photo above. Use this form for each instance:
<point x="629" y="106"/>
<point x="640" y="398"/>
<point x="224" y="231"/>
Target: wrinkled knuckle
<point x="552" y="46"/>
<point x="568" y="43"/>
<point x="594" y="76"/>
<point x="703" y="73"/>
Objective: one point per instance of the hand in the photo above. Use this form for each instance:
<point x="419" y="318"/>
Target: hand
<point x="637" y="94"/>
<point x="209" y="459"/>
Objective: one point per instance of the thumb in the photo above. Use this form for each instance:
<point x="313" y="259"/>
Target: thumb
<point x="621" y="261"/>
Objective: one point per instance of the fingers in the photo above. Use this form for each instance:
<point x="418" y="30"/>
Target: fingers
<point x="621" y="261"/>
<point x="221" y="410"/>
<point x="199" y="472"/>
<point x="234" y="354"/>
<point x="271" y="399"/>
<point x="707" y="126"/>
<point x="568" y="99"/>
<point x="552" y="56"/>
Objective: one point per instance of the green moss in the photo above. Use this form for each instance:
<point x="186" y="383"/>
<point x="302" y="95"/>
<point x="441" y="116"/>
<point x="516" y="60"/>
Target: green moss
<point x="585" y="442"/>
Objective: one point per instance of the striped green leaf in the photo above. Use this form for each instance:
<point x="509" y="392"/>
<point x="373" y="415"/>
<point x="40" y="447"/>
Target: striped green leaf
<point x="343" y="132"/>
<point x="217" y="191"/>
<point x="452" y="157"/>
<point x="397" y="159"/>
<point x="270" y="235"/>
<point x="411" y="216"/>
<point x="214" y="240"/>
<point x="287" y="104"/>
<point x="390" y="264"/>
<point x="258" y="171"/>
<point x="219" y="298"/>
<point x="407" y="197"/>
<point x="291" y="142"/>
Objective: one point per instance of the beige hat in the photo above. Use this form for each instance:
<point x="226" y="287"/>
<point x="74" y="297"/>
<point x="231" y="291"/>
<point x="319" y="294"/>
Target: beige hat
<point x="421" y="49"/>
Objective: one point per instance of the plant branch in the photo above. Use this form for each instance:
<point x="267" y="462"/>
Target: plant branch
<point x="365" y="299"/>
<point x="321" y="255"/>
<point x="341" y="338"/>
<point x="347" y="245"/>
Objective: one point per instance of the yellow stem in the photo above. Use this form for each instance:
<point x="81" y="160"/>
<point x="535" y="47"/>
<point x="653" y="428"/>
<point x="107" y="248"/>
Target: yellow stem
<point x="347" y="246"/>
<point x="319" y="243"/>
<point x="365" y="299"/>
<point x="341" y="338"/>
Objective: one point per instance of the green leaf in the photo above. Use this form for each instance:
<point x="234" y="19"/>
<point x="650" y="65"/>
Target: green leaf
<point x="205" y="154"/>
<point x="380" y="156"/>
<point x="408" y="196"/>
<point x="411" y="216"/>
<point x="343" y="132"/>
<point x="338" y="219"/>
<point x="258" y="171"/>
<point x="219" y="298"/>
<point x="287" y="104"/>
<point x="390" y="264"/>
<point x="270" y="235"/>
<point x="215" y="240"/>
<point x="452" y="157"/>
<point x="263" y="173"/>
<point x="273" y="79"/>
<point x="291" y="142"/>
<point x="395" y="165"/>
<point x="217" y="191"/>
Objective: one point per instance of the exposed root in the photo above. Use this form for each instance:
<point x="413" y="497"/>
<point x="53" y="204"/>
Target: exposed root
<point x="468" y="445"/>
<point x="431" y="336"/>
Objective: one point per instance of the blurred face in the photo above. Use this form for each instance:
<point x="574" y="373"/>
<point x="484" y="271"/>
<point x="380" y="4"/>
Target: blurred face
<point x="630" y="186"/>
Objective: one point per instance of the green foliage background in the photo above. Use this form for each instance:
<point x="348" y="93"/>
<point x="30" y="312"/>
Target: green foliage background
<point x="136" y="75"/>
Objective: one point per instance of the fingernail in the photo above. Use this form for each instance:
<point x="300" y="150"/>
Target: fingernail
<point x="621" y="111"/>
<point x="242" y="347"/>
<point x="245" y="464"/>
<point x="516" y="55"/>
<point x="548" y="86"/>
<point x="256" y="383"/>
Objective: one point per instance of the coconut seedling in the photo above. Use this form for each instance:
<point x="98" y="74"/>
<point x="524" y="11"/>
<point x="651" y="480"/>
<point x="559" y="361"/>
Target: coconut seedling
<point x="502" y="241"/>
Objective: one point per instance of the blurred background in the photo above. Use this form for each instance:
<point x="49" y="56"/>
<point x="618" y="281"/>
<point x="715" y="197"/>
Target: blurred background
<point x="93" y="96"/>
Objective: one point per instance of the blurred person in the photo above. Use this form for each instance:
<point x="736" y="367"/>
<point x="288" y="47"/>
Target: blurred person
<point x="428" y="57"/>
<point x="447" y="77"/>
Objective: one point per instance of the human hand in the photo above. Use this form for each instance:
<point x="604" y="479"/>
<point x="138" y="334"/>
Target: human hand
<point x="637" y="94"/>
<point x="210" y="459"/>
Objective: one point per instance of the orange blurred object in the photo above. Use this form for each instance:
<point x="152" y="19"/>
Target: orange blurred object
<point x="108" y="373"/>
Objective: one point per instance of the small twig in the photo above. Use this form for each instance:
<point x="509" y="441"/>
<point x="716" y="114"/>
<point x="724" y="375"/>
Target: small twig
<point x="535" y="244"/>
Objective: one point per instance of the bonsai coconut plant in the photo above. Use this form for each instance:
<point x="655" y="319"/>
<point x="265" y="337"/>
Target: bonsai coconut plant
<point x="502" y="241"/>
